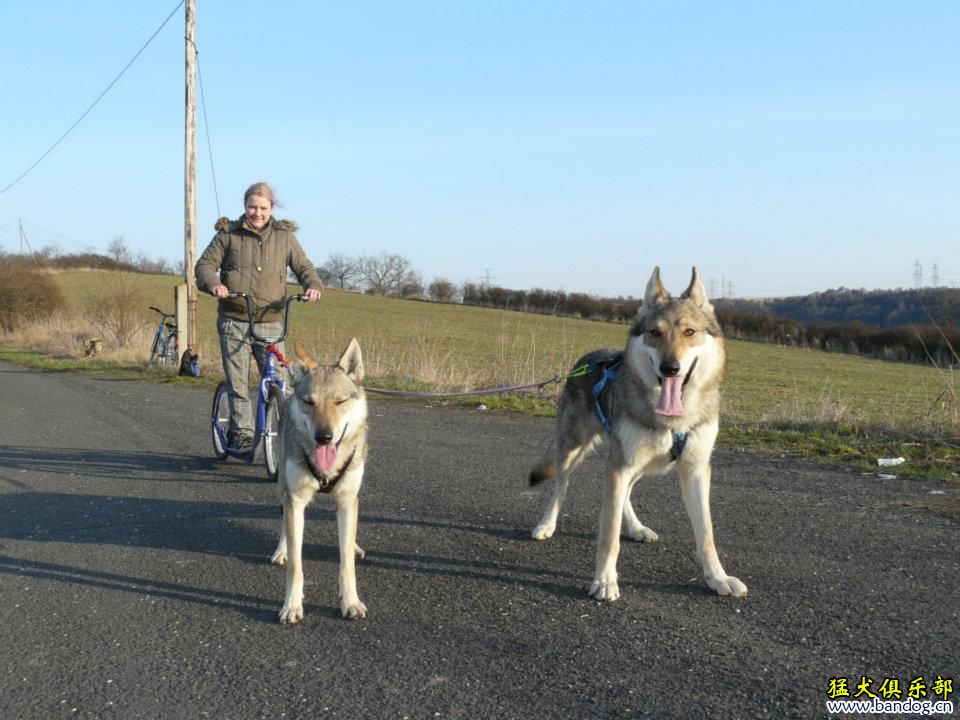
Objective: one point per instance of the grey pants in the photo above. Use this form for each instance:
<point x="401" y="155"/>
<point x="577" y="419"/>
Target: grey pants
<point x="236" y="347"/>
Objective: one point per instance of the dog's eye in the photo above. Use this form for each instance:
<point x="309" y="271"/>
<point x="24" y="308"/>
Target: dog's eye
<point x="341" y="402"/>
<point x="689" y="332"/>
<point x="655" y="333"/>
<point x="308" y="400"/>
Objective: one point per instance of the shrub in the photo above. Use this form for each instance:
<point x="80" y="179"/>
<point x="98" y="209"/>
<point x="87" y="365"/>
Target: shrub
<point x="27" y="293"/>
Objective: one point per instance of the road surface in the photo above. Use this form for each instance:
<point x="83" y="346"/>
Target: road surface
<point x="135" y="579"/>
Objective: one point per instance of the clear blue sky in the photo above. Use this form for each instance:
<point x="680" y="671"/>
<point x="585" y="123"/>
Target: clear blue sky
<point x="785" y="148"/>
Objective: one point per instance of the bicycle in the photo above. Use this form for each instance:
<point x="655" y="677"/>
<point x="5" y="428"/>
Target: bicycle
<point x="270" y="398"/>
<point x="165" y="346"/>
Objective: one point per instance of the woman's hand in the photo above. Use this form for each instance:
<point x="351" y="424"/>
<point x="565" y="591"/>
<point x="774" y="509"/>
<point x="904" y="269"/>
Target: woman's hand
<point x="220" y="291"/>
<point x="311" y="295"/>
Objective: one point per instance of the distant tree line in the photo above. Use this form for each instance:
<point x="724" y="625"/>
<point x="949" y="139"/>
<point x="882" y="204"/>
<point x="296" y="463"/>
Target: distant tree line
<point x="551" y="302"/>
<point x="876" y="308"/>
<point x="118" y="257"/>
<point x="920" y="343"/>
<point x="386" y="274"/>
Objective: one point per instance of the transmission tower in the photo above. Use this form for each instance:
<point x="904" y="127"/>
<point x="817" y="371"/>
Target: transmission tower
<point x="487" y="277"/>
<point x="935" y="276"/>
<point x="917" y="274"/>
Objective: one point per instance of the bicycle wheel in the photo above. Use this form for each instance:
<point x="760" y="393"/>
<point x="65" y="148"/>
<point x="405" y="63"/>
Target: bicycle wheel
<point x="271" y="431"/>
<point x="156" y="349"/>
<point x="171" y="355"/>
<point x="220" y="419"/>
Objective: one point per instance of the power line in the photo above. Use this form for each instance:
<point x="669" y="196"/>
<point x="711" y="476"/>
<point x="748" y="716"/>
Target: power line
<point x="206" y="127"/>
<point x="99" y="98"/>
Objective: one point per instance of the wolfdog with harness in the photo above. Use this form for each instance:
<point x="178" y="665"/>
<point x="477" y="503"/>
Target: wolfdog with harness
<point x="323" y="447"/>
<point x="658" y="401"/>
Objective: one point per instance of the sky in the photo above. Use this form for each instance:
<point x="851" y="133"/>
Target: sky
<point x="782" y="148"/>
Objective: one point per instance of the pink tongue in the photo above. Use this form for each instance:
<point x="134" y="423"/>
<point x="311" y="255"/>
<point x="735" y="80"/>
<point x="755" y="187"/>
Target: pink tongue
<point x="670" y="391"/>
<point x="326" y="456"/>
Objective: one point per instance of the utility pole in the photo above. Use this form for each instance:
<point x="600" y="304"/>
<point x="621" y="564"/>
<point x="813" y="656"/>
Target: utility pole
<point x="190" y="175"/>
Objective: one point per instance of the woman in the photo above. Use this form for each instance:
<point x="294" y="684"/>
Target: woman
<point x="251" y="255"/>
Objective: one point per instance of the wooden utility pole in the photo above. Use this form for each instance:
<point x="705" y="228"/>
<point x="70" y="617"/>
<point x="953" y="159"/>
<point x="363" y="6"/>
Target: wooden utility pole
<point x="190" y="177"/>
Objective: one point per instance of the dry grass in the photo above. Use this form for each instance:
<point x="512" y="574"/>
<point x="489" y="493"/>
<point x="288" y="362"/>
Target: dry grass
<point x="780" y="398"/>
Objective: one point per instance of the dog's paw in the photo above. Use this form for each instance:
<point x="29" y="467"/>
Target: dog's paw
<point x="643" y="534"/>
<point x="607" y="589"/>
<point x="353" y="610"/>
<point x="727" y="585"/>
<point x="543" y="531"/>
<point x="358" y="552"/>
<point x="279" y="557"/>
<point x="291" y="613"/>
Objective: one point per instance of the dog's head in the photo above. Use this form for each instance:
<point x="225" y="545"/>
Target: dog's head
<point x="328" y="404"/>
<point x="676" y="342"/>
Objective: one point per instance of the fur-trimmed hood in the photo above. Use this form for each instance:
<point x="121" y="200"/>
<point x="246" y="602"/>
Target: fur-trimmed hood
<point x="229" y="225"/>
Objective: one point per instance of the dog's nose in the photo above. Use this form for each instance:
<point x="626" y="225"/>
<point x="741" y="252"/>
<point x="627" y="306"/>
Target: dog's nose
<point x="669" y="368"/>
<point x="323" y="437"/>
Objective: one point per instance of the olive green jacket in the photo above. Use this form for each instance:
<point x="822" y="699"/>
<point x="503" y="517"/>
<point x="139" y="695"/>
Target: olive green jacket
<point x="254" y="263"/>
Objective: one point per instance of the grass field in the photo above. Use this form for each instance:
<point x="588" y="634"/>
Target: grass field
<point x="775" y="399"/>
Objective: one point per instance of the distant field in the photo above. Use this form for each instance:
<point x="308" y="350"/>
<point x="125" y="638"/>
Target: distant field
<point x="833" y="405"/>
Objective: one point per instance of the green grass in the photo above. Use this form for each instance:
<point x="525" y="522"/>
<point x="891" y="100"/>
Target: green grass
<point x="778" y="400"/>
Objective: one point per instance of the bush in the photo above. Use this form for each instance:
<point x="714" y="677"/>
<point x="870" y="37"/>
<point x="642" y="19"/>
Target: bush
<point x="27" y="294"/>
<point x="115" y="311"/>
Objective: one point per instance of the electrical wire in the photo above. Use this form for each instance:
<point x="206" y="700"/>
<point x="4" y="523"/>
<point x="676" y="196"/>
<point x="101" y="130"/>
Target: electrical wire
<point x="99" y="98"/>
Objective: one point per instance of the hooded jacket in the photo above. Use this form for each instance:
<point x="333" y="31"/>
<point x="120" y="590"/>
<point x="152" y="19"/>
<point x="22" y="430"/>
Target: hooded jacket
<point x="255" y="263"/>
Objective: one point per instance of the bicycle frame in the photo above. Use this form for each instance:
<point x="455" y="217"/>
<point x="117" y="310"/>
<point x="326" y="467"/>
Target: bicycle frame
<point x="269" y="376"/>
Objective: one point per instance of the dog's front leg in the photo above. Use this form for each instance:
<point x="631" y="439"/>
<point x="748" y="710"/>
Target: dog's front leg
<point x="695" y="488"/>
<point x="280" y="554"/>
<point x="293" y="512"/>
<point x="608" y="543"/>
<point x="347" y="511"/>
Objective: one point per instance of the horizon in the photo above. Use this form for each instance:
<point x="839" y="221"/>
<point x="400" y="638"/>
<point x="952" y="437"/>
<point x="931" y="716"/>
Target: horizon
<point x="783" y="150"/>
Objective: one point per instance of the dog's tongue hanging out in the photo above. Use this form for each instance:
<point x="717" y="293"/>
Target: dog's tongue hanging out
<point x="326" y="456"/>
<point x="670" y="391"/>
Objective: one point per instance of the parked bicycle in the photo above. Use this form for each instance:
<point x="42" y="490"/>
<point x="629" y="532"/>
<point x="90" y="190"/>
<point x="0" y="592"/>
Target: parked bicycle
<point x="270" y="397"/>
<point x="165" y="348"/>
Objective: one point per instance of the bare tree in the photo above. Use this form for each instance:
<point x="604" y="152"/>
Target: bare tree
<point x="441" y="290"/>
<point x="385" y="274"/>
<point x="119" y="251"/>
<point x="339" y="271"/>
<point x="411" y="285"/>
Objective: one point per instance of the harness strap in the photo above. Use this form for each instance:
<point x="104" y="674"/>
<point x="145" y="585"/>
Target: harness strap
<point x="679" y="442"/>
<point x="609" y="369"/>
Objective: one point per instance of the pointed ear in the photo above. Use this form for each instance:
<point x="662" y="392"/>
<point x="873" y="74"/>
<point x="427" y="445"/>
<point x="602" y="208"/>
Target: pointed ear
<point x="305" y="358"/>
<point x="656" y="293"/>
<point x="351" y="362"/>
<point x="697" y="292"/>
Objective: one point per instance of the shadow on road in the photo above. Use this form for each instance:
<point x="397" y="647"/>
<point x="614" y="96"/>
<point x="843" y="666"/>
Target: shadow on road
<point x="84" y="462"/>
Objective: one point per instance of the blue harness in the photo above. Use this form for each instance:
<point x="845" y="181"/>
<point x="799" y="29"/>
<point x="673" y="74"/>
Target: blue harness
<point x="609" y="371"/>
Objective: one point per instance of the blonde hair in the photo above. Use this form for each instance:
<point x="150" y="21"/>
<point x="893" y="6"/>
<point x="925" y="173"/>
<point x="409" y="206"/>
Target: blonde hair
<point x="263" y="190"/>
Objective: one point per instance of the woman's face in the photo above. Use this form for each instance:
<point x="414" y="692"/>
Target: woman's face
<point x="258" y="211"/>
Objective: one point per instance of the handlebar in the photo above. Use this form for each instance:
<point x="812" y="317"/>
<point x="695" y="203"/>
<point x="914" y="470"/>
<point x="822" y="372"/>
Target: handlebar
<point x="165" y="315"/>
<point x="286" y="315"/>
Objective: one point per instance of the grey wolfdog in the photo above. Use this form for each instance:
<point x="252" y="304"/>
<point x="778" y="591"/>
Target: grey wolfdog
<point x="659" y="402"/>
<point x="322" y="448"/>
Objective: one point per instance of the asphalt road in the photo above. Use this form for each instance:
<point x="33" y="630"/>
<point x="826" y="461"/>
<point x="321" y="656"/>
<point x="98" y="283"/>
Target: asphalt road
<point x="135" y="579"/>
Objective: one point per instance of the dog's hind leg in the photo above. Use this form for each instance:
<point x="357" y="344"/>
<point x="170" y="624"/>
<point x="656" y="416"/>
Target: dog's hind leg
<point x="292" y="611"/>
<point x="695" y="488"/>
<point x="565" y="461"/>
<point x="347" y="511"/>
<point x="636" y="529"/>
